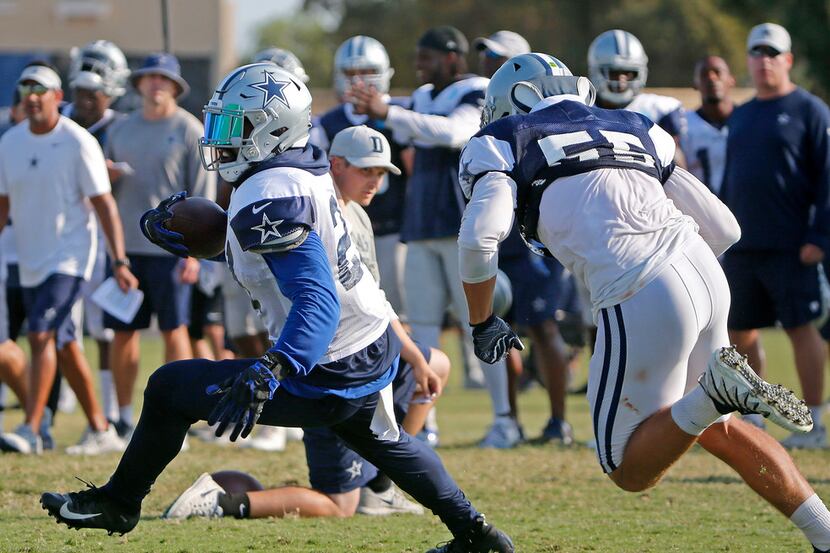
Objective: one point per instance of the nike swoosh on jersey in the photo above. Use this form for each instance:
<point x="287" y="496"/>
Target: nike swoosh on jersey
<point x="66" y="513"/>
<point x="257" y="208"/>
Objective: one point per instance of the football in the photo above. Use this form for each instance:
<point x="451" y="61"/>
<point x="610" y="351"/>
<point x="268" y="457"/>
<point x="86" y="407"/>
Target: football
<point x="234" y="481"/>
<point x="202" y="223"/>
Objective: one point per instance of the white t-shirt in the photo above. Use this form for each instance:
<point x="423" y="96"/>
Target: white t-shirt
<point x="48" y="178"/>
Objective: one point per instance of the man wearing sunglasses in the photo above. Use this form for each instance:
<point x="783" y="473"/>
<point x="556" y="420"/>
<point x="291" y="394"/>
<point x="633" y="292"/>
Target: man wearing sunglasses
<point x="777" y="183"/>
<point x="51" y="172"/>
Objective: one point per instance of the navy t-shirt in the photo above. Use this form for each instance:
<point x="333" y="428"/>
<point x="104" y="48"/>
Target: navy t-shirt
<point x="777" y="175"/>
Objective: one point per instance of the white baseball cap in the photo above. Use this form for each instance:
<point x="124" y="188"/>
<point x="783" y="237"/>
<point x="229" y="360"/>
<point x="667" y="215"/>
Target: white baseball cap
<point x="363" y="147"/>
<point x="769" y="34"/>
<point x="503" y="43"/>
<point x="42" y="75"/>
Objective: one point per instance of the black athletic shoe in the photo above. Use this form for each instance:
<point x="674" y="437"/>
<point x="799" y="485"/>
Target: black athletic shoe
<point x="89" y="508"/>
<point x="817" y="550"/>
<point x="480" y="538"/>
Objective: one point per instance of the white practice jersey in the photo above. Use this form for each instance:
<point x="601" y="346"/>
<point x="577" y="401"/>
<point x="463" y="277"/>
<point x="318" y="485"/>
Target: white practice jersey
<point x="258" y="211"/>
<point x="602" y="185"/>
<point x="666" y="111"/>
<point x="704" y="147"/>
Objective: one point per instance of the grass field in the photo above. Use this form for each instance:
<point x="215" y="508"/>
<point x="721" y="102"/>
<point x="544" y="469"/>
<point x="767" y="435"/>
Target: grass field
<point x="549" y="499"/>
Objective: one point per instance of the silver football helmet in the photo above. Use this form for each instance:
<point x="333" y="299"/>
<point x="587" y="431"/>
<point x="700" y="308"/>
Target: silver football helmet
<point x="365" y="54"/>
<point x="523" y="80"/>
<point x="284" y="59"/>
<point x="100" y="65"/>
<point x="257" y="111"/>
<point x="617" y="50"/>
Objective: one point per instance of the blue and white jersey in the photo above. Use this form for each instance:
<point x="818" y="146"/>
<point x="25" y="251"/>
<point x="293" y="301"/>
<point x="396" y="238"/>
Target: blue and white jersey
<point x="606" y="218"/>
<point x="563" y="138"/>
<point x="296" y="295"/>
<point x="434" y="202"/>
<point x="666" y="111"/>
<point x="100" y="128"/>
<point x="386" y="209"/>
<point x="704" y="147"/>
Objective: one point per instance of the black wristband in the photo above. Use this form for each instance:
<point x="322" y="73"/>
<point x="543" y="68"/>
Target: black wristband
<point x="123" y="262"/>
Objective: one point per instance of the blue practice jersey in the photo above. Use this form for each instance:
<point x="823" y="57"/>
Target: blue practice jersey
<point x="434" y="203"/>
<point x="386" y="209"/>
<point x="777" y="176"/>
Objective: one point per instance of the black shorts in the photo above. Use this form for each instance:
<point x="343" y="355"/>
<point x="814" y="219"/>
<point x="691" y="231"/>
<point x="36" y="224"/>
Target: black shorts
<point x="205" y="310"/>
<point x="771" y="286"/>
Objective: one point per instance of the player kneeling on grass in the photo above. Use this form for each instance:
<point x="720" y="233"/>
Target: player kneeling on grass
<point x="643" y="235"/>
<point x="342" y="482"/>
<point x="333" y="360"/>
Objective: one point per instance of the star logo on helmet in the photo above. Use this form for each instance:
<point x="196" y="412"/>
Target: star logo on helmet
<point x="272" y="89"/>
<point x="268" y="228"/>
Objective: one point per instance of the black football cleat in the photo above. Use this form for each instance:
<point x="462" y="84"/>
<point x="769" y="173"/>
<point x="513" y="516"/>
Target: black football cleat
<point x="89" y="508"/>
<point x="481" y="537"/>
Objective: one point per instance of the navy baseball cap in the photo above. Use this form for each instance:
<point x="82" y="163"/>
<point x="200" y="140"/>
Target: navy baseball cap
<point x="444" y="39"/>
<point x="164" y="64"/>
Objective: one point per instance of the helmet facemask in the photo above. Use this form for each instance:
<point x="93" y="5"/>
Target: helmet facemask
<point x="361" y="59"/>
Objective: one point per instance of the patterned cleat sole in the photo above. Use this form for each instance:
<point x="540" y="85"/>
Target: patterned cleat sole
<point x="773" y="401"/>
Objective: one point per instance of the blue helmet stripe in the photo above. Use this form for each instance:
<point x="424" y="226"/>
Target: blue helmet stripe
<point x="548" y="68"/>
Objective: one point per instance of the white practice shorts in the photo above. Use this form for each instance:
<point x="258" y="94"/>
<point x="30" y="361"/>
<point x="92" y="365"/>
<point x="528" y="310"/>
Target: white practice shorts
<point x="651" y="348"/>
<point x="240" y="317"/>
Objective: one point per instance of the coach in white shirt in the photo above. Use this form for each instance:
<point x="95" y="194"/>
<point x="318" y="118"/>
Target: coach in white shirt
<point x="52" y="174"/>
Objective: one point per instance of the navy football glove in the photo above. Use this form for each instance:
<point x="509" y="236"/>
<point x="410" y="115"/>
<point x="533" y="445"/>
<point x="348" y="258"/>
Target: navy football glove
<point x="152" y="225"/>
<point x="244" y="396"/>
<point x="493" y="338"/>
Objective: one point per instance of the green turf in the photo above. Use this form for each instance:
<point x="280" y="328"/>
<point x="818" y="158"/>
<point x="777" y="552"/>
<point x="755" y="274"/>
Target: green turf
<point x="549" y="499"/>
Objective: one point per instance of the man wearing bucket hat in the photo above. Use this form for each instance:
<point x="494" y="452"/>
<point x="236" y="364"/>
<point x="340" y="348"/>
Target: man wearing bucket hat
<point x="53" y="157"/>
<point x="777" y="183"/>
<point x="156" y="148"/>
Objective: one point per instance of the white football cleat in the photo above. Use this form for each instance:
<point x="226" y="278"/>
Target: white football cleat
<point x="199" y="500"/>
<point x="733" y="386"/>
<point x="94" y="442"/>
<point x="22" y="440"/>
<point x="390" y="502"/>
<point x="504" y="434"/>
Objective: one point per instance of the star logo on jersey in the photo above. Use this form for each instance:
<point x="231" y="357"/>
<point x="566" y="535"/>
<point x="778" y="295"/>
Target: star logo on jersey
<point x="272" y="89"/>
<point x="783" y="118"/>
<point x="355" y="470"/>
<point x="268" y="228"/>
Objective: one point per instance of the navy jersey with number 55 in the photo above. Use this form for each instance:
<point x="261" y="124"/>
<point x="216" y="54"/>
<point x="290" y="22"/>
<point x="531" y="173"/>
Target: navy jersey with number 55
<point x="561" y="138"/>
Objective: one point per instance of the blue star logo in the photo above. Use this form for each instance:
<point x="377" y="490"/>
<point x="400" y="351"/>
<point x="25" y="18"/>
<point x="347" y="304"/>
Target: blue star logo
<point x="272" y="89"/>
<point x="268" y="228"/>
